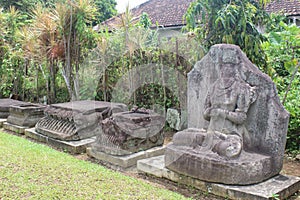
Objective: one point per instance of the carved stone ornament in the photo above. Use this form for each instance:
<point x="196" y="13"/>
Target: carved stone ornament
<point x="237" y="125"/>
<point x="76" y="120"/>
<point x="129" y="132"/>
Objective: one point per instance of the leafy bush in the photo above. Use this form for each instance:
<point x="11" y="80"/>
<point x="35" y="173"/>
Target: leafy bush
<point x="283" y="54"/>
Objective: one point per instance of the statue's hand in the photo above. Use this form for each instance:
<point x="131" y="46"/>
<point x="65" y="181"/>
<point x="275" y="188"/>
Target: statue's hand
<point x="218" y="112"/>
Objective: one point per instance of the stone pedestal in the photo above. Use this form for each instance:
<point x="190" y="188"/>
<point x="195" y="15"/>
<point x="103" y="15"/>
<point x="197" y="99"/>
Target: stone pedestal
<point x="5" y="105"/>
<point x="281" y="186"/>
<point x="74" y="147"/>
<point x="1" y="122"/>
<point x="14" y="128"/>
<point x="26" y="114"/>
<point x="125" y="162"/>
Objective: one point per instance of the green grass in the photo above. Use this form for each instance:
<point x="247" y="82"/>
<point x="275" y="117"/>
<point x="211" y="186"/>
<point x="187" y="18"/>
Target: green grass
<point x="34" y="171"/>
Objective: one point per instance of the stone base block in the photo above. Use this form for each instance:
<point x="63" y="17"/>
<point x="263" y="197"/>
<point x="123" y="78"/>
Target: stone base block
<point x="280" y="186"/>
<point x="127" y="162"/>
<point x="1" y="122"/>
<point x="74" y="147"/>
<point x="14" y="128"/>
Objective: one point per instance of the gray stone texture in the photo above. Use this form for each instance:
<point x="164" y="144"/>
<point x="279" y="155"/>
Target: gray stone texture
<point x="74" y="147"/>
<point x="76" y="120"/>
<point x="5" y="105"/>
<point x="281" y="186"/>
<point x="126" y="162"/>
<point x="130" y="132"/>
<point x="241" y="138"/>
<point x="26" y="114"/>
<point x="14" y="128"/>
<point x="176" y="119"/>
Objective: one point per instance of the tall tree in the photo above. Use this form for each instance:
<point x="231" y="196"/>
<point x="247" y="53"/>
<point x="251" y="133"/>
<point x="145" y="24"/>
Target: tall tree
<point x="105" y="10"/>
<point x="229" y="21"/>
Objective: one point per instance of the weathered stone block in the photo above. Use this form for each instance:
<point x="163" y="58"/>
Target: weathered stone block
<point x="74" y="147"/>
<point x="76" y="120"/>
<point x="26" y="114"/>
<point x="125" y="162"/>
<point x="130" y="132"/>
<point x="14" y="128"/>
<point x="5" y="105"/>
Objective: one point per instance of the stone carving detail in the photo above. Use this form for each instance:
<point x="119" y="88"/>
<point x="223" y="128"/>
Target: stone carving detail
<point x="5" y="105"/>
<point x="76" y="120"/>
<point x="237" y="126"/>
<point x="129" y="132"/>
<point x="25" y="114"/>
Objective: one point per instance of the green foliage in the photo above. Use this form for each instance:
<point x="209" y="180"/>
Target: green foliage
<point x="145" y="21"/>
<point x="283" y="54"/>
<point x="138" y="69"/>
<point x="105" y="10"/>
<point x="11" y="74"/>
<point x="25" y="5"/>
<point x="34" y="171"/>
<point x="229" y="21"/>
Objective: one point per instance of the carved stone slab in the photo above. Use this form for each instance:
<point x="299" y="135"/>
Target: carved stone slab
<point x="129" y="132"/>
<point x="25" y="114"/>
<point x="76" y="120"/>
<point x="5" y="105"/>
<point x="241" y="123"/>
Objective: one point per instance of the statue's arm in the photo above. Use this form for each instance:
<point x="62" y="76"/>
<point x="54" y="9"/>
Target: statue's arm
<point x="207" y="108"/>
<point x="239" y="115"/>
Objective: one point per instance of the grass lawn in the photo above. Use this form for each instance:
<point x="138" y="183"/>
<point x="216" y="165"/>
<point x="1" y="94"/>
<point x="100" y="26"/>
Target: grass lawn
<point x="34" y="171"/>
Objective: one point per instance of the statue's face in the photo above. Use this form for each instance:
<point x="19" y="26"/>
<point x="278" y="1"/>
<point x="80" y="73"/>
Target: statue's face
<point x="227" y="71"/>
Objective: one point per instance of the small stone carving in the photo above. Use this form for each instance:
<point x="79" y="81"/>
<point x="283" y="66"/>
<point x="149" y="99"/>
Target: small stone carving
<point x="237" y="126"/>
<point x="129" y="132"/>
<point x="76" y="120"/>
<point x="5" y="105"/>
<point x="25" y="114"/>
<point x="176" y="119"/>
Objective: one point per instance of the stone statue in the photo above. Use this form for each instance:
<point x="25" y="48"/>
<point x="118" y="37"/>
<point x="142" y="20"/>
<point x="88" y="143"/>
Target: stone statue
<point x="226" y="106"/>
<point x="237" y="126"/>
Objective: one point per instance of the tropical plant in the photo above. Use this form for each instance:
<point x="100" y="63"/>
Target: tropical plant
<point x="283" y="52"/>
<point x="229" y="21"/>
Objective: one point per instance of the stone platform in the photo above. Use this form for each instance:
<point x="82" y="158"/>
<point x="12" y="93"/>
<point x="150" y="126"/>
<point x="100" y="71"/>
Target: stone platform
<point x="14" y="128"/>
<point x="125" y="162"/>
<point x="281" y="185"/>
<point x="74" y="147"/>
<point x="1" y="122"/>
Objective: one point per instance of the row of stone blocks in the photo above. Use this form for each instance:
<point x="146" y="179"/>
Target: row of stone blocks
<point x="73" y="127"/>
<point x="152" y="162"/>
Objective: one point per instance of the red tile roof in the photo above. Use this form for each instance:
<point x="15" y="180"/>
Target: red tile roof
<point x="286" y="7"/>
<point x="169" y="13"/>
<point x="163" y="12"/>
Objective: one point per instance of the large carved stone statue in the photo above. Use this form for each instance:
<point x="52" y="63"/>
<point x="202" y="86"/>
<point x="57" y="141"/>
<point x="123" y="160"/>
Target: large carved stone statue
<point x="237" y="126"/>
